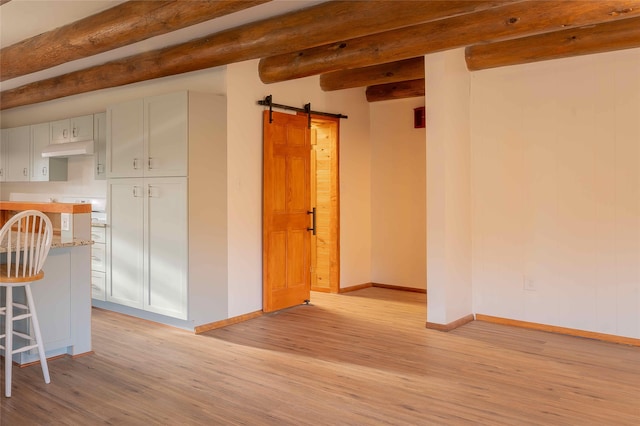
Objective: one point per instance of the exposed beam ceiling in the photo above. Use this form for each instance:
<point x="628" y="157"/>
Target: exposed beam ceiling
<point x="118" y="26"/>
<point x="399" y="90"/>
<point x="501" y="23"/>
<point x="326" y="22"/>
<point x="408" y="69"/>
<point x="333" y="39"/>
<point x="624" y="34"/>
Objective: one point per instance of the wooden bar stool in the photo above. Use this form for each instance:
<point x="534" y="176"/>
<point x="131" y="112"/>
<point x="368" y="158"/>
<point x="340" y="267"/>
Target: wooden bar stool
<point x="26" y="240"/>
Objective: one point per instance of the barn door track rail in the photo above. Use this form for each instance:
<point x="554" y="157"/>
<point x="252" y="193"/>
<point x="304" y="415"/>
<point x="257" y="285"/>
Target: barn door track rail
<point x="268" y="101"/>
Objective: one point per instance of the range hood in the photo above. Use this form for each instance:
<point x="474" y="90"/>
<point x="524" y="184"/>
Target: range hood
<point x="68" y="149"/>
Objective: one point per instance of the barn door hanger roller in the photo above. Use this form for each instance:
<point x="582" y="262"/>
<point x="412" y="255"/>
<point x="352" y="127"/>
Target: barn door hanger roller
<point x="268" y="101"/>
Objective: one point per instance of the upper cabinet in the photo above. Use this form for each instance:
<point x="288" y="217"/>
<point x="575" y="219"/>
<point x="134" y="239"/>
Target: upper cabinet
<point x="100" y="140"/>
<point x="17" y="150"/>
<point x="4" y="136"/>
<point x="72" y="129"/>
<point x="148" y="137"/>
<point x="44" y="169"/>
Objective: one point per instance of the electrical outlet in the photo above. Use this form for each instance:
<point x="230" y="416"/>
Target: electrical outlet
<point x="529" y="284"/>
<point x="65" y="221"/>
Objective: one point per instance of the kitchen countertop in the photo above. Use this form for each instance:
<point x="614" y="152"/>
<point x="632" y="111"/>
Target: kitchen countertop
<point x="57" y="242"/>
<point x="45" y="207"/>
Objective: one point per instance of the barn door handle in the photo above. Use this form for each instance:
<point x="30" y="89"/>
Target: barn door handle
<point x="313" y="220"/>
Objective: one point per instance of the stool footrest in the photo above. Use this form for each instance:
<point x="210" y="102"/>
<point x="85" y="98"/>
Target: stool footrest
<point x="21" y="317"/>
<point x="24" y="349"/>
<point x="23" y="335"/>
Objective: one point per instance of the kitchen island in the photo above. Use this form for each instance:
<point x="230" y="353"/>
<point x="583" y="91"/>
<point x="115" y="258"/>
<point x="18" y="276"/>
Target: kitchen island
<point x="63" y="296"/>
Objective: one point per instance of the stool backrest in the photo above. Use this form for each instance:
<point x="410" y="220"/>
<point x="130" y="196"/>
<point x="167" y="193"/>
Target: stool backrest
<point x="26" y="237"/>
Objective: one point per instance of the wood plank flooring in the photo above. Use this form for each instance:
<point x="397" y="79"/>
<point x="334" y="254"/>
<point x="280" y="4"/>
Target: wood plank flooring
<point x="359" y="358"/>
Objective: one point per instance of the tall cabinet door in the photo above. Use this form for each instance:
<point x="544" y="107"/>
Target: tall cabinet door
<point x="166" y="240"/>
<point x="125" y="242"/>
<point x="18" y="155"/>
<point x="39" y="141"/>
<point x="4" y="139"/>
<point x="125" y="155"/>
<point x="166" y="133"/>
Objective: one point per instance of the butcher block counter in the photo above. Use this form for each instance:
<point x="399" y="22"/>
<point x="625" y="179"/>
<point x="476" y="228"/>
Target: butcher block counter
<point x="63" y="296"/>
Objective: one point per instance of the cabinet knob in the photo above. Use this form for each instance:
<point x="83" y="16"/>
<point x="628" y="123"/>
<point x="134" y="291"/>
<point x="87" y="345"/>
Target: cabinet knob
<point x="24" y="172"/>
<point x="135" y="164"/>
<point x="65" y="133"/>
<point x="44" y="171"/>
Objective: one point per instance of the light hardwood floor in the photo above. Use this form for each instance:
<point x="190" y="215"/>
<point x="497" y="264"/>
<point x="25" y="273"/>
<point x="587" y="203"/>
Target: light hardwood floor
<point x="360" y="358"/>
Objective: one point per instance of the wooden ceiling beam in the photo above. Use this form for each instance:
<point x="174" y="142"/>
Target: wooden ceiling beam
<point x="624" y="34"/>
<point x="314" y="26"/>
<point x="408" y="69"/>
<point x="118" y="26"/>
<point x="507" y="22"/>
<point x="397" y="90"/>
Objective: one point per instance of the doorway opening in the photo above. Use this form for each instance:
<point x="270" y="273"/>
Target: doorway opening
<point x="325" y="196"/>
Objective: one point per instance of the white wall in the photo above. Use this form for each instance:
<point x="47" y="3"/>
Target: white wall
<point x="244" y="156"/>
<point x="398" y="195"/>
<point x="448" y="187"/>
<point x="556" y="192"/>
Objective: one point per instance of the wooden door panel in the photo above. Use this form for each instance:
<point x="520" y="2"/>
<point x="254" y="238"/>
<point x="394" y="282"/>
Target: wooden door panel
<point x="298" y="258"/>
<point x="286" y="251"/>
<point x="277" y="262"/>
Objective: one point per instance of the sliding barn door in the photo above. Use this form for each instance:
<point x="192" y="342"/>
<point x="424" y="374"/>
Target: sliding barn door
<point x="286" y="211"/>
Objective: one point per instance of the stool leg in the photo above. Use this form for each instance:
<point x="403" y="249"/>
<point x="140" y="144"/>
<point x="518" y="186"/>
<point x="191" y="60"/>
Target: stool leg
<point x="8" y="340"/>
<point x="36" y="330"/>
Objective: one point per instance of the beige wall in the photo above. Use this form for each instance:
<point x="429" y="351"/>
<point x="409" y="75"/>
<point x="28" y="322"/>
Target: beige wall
<point x="556" y="192"/>
<point x="448" y="188"/>
<point x="245" y="178"/>
<point x="398" y="195"/>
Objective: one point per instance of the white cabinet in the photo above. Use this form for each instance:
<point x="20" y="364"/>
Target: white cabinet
<point x="98" y="262"/>
<point x="125" y="243"/>
<point x="72" y="129"/>
<point x="147" y="246"/>
<point x="167" y="236"/>
<point x="100" y="140"/>
<point x="44" y="169"/>
<point x="4" y="137"/>
<point x="17" y="150"/>
<point x="148" y="137"/>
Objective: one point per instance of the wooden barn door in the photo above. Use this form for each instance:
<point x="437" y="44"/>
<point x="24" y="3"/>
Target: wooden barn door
<point x="286" y="211"/>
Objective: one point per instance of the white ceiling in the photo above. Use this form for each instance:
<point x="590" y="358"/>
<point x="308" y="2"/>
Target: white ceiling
<point x="21" y="19"/>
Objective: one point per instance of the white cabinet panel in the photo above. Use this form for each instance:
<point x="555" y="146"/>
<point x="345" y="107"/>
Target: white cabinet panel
<point x="72" y="129"/>
<point x="147" y="245"/>
<point x="125" y="243"/>
<point x="44" y="169"/>
<point x="166" y="242"/>
<point x="100" y="140"/>
<point x="17" y="150"/>
<point x="166" y="133"/>
<point x="125" y="139"/>
<point x="4" y="139"/>
<point x="148" y="137"/>
<point x="98" y="285"/>
<point x="98" y="263"/>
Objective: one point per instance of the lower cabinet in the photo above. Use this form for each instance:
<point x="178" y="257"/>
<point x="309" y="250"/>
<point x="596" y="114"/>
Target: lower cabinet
<point x="148" y="244"/>
<point x="98" y="262"/>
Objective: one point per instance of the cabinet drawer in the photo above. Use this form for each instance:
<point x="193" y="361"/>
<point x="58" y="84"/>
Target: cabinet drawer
<point x="98" y="258"/>
<point x="98" y="234"/>
<point x="98" y="285"/>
